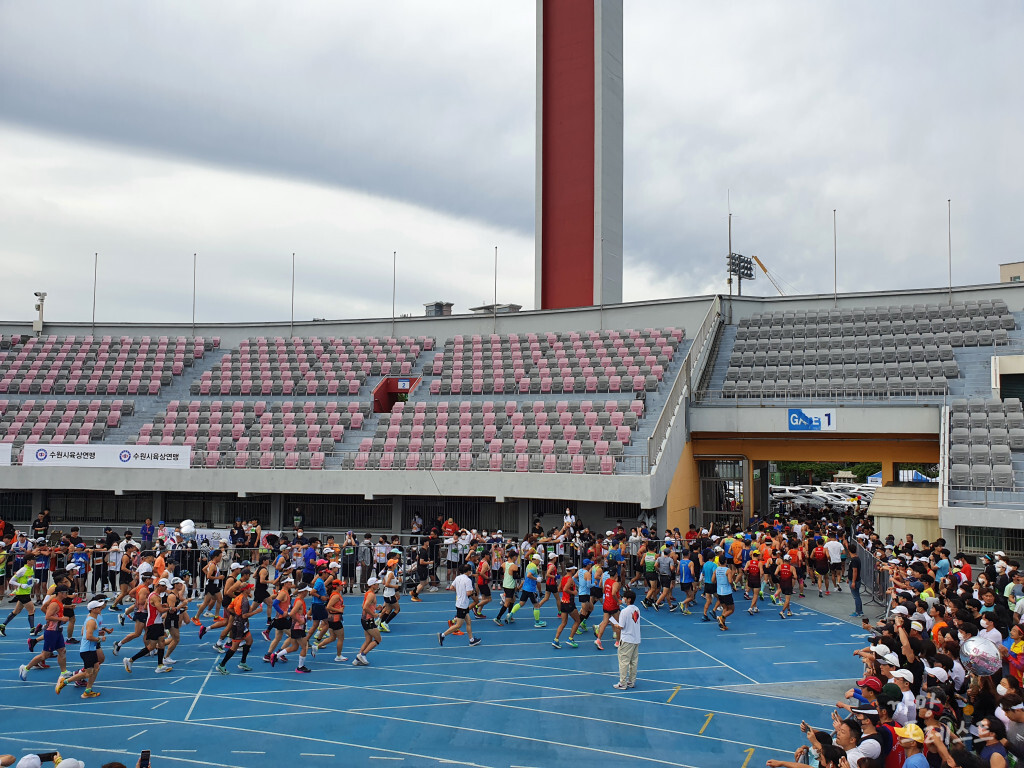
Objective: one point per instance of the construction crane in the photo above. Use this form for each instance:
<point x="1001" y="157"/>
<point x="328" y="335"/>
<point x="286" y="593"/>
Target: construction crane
<point x="768" y="275"/>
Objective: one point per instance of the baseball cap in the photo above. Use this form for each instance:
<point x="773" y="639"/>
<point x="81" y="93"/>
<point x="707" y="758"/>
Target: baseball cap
<point x="938" y="673"/>
<point x="145" y="574"/>
<point x="289" y="580"/>
<point x="910" y="731"/>
<point x="588" y="562"/>
<point x="160" y="523"/>
<point x="373" y="580"/>
<point x="538" y="557"/>
<point x="94" y="604"/>
<point x="571" y="568"/>
<point x="79" y="546"/>
<point x="787" y="557"/>
<point x="872" y="683"/>
<point x="999" y="554"/>
<point x="236" y="566"/>
<point x="165" y="583"/>
<point x="890" y="660"/>
<point x="917" y="625"/>
<point x="335" y="565"/>
<point x="904" y="674"/>
<point x="901" y="609"/>
<point x="880" y="649"/>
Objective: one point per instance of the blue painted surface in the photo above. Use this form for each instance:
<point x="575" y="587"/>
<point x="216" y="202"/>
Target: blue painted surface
<point x="511" y="701"/>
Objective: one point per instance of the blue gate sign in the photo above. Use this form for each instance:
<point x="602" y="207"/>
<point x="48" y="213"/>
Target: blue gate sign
<point x="812" y="420"/>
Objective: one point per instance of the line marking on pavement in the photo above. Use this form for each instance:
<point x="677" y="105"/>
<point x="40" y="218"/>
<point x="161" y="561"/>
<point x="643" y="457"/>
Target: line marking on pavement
<point x="674" y="692"/>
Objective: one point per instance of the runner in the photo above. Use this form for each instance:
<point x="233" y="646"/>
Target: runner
<point x="567" y="608"/>
<point x="529" y="592"/>
<point x="371" y="633"/>
<point x="649" y="562"/>
<point x="666" y="569"/>
<point x="335" y="619"/>
<point x="93" y="634"/>
<point x="463" y="585"/>
<point x="708" y="575"/>
<point x="508" y="586"/>
<point x="140" y="595"/>
<point x="21" y="586"/>
<point x="687" y="580"/>
<point x="819" y="559"/>
<point x="261" y="592"/>
<point x="124" y="575"/>
<point x="155" y="610"/>
<point x="483" y="586"/>
<point x="318" y="609"/>
<point x="281" y="605"/>
<point x="723" y="586"/>
<point x="177" y="605"/>
<point x="298" y="640"/>
<point x="550" y="577"/>
<point x="835" y="549"/>
<point x="785" y="575"/>
<point x="241" y="611"/>
<point x="389" y="591"/>
<point x="584" y="583"/>
<point x="53" y="638"/>
<point x="423" y="566"/>
<point x="755" y="572"/>
<point x="610" y="606"/>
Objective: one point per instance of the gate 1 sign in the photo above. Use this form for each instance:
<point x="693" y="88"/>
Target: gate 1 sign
<point x="812" y="420"/>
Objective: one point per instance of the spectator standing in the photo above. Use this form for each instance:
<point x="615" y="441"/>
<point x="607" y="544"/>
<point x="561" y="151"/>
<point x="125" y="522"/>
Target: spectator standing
<point x="629" y="640"/>
<point x="146" y="533"/>
<point x="40" y="527"/>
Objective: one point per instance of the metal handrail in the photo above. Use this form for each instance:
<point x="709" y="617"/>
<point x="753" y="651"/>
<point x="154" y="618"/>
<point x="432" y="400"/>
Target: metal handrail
<point x="944" y="456"/>
<point x="454" y="461"/>
<point x="695" y="358"/>
<point x="991" y="496"/>
<point x="838" y="396"/>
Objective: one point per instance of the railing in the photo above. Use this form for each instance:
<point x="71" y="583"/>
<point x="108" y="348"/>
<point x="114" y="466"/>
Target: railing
<point x="984" y="496"/>
<point x="838" y="395"/>
<point x="944" y="456"/>
<point x="875" y="579"/>
<point x="398" y="461"/>
<point x="696" y="356"/>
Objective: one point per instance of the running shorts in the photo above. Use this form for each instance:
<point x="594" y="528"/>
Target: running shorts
<point x="836" y="566"/>
<point x="307" y="578"/>
<point x="725" y="599"/>
<point x="53" y="640"/>
<point x="125" y="579"/>
<point x="753" y="583"/>
<point x="172" y="621"/>
<point x="318" y="612"/>
<point x="281" y="623"/>
<point x="239" y="630"/>
<point x="531" y="596"/>
<point x="392" y="600"/>
<point x="665" y="582"/>
<point x="212" y="588"/>
<point x="484" y="590"/>
<point x="709" y="589"/>
<point x="139" y="616"/>
<point x="786" y="590"/>
<point x="89" y="659"/>
<point x="566" y="607"/>
<point x="510" y="592"/>
<point x="23" y="599"/>
<point x="259" y="595"/>
<point x="335" y="625"/>
<point x="297" y="634"/>
<point x="154" y="632"/>
<point x="368" y="624"/>
<point x="461" y="613"/>
<point x="650" y="577"/>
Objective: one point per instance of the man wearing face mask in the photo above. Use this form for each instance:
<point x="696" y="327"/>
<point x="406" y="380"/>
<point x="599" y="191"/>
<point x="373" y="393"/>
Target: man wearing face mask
<point x="987" y="629"/>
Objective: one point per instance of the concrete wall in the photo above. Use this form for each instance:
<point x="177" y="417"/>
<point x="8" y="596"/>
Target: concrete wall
<point x="915" y="419"/>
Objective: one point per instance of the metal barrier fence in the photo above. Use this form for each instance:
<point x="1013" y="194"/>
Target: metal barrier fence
<point x="696" y="355"/>
<point x="875" y="579"/>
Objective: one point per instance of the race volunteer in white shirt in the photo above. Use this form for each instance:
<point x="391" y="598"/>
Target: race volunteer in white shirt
<point x="463" y="586"/>
<point x="629" y="640"/>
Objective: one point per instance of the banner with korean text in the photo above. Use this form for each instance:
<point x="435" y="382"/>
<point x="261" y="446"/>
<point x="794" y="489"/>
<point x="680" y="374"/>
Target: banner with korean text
<point x="108" y="456"/>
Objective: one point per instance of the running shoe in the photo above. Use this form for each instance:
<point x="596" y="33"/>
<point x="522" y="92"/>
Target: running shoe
<point x="117" y="647"/>
<point x="775" y="600"/>
<point x="855" y="615"/>
<point x="597" y="642"/>
<point x="827" y="592"/>
<point x="360" y="662"/>
<point x="312" y="650"/>
<point x="510" y="619"/>
<point x="23" y="673"/>
<point x="555" y="644"/>
<point x="498" y="622"/>
<point x="415" y="599"/>
<point x="572" y="643"/>
<point x="38" y="629"/>
<point x="273" y="659"/>
<point x="266" y="635"/>
<point x="704" y="618"/>
<point x="128" y="665"/>
<point x="721" y="622"/>
<point x="222" y="669"/>
<point x="197" y="622"/>
<point x="789" y="613"/>
<point x="169" y="661"/>
<point x="72" y="641"/>
<point x="838" y="588"/>
<point x="539" y="624"/>
<point x="209" y="615"/>
<point x="120" y="619"/>
<point x="782" y="614"/>
<point x="819" y="593"/>
<point x="384" y="627"/>
<point x="620" y="687"/>
<point x="244" y="667"/>
<point x="202" y="631"/>
<point x="266" y="657"/>
<point x="617" y="643"/>
<point x="687" y="612"/>
<point x="757" y="610"/>
<point x="432" y="589"/>
<point x="672" y="608"/>
<point x="114" y="608"/>
<point x="303" y="670"/>
<point x="440" y="638"/>
<point x="475" y="641"/>
<point x="583" y="626"/>
<point x="164" y="668"/>
<point x="81" y="684"/>
<point x="90" y="694"/>
<point x="3" y="630"/>
<point x="341" y="658"/>
<point x="750" y="611"/>
<point x="746" y="595"/>
<point x="32" y="643"/>
<point x="60" y="685"/>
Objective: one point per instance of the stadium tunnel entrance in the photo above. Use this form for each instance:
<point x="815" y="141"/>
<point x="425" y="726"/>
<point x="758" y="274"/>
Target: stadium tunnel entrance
<point x="724" y="477"/>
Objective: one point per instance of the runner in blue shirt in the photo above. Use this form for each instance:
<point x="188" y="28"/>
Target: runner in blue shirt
<point x="723" y="587"/>
<point x="529" y="591"/>
<point x="708" y="574"/>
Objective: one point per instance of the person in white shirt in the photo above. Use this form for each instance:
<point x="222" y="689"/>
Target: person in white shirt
<point x="906" y="709"/>
<point x="834" y="548"/>
<point x="629" y="640"/>
<point x="988" y="630"/>
<point x="463" y="586"/>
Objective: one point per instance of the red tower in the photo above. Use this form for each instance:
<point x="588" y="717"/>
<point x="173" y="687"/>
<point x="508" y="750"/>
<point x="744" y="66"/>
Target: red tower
<point x="579" y="153"/>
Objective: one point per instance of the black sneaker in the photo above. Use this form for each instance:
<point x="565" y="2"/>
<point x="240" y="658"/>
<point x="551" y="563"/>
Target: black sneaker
<point x="3" y="630"/>
<point x="440" y="638"/>
<point x="475" y="641"/>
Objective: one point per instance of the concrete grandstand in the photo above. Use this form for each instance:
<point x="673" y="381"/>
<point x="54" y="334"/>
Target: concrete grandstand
<point x="645" y="407"/>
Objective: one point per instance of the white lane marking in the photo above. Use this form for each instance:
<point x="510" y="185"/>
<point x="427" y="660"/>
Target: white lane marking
<point x="136" y="735"/>
<point x="198" y="694"/>
<point x="160" y="704"/>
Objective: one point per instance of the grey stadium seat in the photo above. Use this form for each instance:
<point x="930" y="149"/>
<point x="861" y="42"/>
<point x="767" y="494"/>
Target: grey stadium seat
<point x="981" y="475"/>
<point x="1002" y="476"/>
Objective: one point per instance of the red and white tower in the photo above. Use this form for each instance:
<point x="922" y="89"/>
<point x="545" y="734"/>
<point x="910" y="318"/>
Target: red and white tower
<point x="579" y="153"/>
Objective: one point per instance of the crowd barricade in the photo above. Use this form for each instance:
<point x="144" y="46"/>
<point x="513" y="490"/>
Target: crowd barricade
<point x="876" y="579"/>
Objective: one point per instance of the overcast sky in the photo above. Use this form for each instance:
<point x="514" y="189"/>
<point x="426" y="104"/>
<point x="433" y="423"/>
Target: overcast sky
<point x="244" y="131"/>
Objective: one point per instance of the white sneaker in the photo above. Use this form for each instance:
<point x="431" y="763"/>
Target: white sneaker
<point x="341" y="658"/>
<point x="169" y="661"/>
<point x="164" y="668"/>
<point x="432" y="589"/>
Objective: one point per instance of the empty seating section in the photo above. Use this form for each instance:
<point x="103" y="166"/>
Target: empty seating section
<point x="59" y="421"/>
<point x="578" y="436"/>
<point x="254" y="434"/>
<point x="984" y="434"/>
<point x="309" y="366"/>
<point x="552" y="363"/>
<point x="875" y="351"/>
<point x="88" y="365"/>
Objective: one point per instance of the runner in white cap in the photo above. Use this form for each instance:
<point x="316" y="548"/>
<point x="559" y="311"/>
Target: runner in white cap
<point x="281" y="606"/>
<point x="529" y="591"/>
<point x="93" y="634"/>
<point x="371" y="632"/>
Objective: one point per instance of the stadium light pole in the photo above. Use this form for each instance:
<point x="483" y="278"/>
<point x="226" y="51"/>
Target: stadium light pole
<point x="95" y="275"/>
<point x="291" y="324"/>
<point x="193" y="295"/>
<point x="835" y="263"/>
<point x="495" y="308"/>
<point x="394" y="287"/>
<point x="949" y="245"/>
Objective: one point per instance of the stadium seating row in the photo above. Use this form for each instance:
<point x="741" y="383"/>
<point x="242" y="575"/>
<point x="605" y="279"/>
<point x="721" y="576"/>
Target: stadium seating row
<point x="984" y="434"/>
<point x="492" y="462"/>
<point x="905" y="312"/>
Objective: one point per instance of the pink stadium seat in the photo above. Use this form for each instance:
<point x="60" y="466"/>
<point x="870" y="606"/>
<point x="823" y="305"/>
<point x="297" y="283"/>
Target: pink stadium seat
<point x="607" y="465"/>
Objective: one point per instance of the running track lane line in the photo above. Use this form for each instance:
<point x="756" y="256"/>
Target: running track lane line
<point x="199" y="693"/>
<point x="684" y="642"/>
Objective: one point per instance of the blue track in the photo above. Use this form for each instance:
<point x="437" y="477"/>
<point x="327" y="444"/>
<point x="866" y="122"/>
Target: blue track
<point x="511" y="701"/>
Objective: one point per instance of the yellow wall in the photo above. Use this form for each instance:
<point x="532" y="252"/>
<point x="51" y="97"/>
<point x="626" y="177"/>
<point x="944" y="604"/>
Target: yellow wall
<point x="888" y="449"/>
